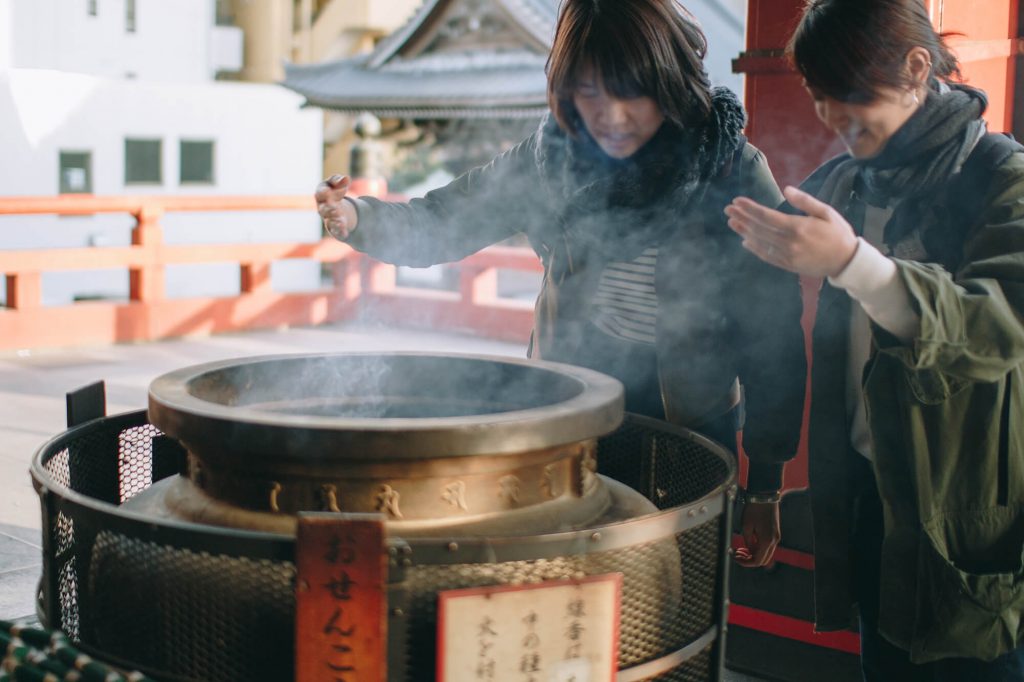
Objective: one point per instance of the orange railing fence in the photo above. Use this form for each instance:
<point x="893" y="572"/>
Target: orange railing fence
<point x="359" y="285"/>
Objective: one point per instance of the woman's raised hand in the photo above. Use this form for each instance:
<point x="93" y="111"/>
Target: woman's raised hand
<point x="818" y="244"/>
<point x="339" y="216"/>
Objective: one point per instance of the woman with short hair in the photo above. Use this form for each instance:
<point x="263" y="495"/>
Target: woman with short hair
<point x="620" y="192"/>
<point x="916" y="438"/>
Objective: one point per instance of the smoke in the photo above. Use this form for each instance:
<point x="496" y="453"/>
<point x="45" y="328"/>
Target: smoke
<point x="392" y="386"/>
<point x="511" y="196"/>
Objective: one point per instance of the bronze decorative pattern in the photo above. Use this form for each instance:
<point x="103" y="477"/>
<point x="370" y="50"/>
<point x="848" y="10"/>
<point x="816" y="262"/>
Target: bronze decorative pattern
<point x="388" y="501"/>
<point x="329" y="497"/>
<point x="588" y="471"/>
<point x="455" y="495"/>
<point x="275" y="490"/>
<point x="510" y="488"/>
<point x="547" y="481"/>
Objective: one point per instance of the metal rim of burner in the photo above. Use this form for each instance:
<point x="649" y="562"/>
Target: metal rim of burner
<point x="274" y="435"/>
<point x="593" y="405"/>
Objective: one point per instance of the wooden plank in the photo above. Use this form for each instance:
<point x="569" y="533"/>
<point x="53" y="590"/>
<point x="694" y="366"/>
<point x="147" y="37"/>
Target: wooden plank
<point x="96" y="322"/>
<point x="340" y="598"/>
<point x="79" y="204"/>
<point x="110" y="257"/>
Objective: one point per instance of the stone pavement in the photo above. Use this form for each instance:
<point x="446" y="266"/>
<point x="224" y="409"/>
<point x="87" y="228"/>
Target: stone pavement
<point x="32" y="410"/>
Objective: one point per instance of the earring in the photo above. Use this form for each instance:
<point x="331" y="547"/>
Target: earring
<point x="917" y="101"/>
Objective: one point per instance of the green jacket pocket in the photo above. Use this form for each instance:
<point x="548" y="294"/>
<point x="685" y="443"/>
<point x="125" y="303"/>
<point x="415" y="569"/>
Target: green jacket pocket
<point x="970" y="591"/>
<point x="931" y="387"/>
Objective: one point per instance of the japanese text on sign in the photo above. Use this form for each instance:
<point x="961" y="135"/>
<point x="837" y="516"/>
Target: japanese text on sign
<point x="340" y="582"/>
<point x="563" y="631"/>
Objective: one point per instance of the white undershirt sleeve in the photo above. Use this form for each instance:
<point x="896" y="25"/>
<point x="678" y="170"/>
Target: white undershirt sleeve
<point x="872" y="280"/>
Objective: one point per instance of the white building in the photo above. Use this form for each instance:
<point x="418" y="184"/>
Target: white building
<point x="115" y="97"/>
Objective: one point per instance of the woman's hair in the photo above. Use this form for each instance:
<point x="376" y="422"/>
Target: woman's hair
<point x="651" y="48"/>
<point x="850" y="49"/>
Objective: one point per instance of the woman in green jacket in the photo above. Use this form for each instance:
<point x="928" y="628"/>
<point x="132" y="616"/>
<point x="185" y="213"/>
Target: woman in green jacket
<point x="621" y="192"/>
<point x="916" y="436"/>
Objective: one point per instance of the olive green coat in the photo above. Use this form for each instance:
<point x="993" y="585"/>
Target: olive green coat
<point x="945" y="414"/>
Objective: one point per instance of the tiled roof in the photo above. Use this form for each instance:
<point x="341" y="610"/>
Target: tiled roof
<point x="473" y="83"/>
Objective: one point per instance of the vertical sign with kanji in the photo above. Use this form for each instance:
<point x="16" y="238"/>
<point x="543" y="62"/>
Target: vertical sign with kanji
<point x="557" y="631"/>
<point x="340" y="598"/>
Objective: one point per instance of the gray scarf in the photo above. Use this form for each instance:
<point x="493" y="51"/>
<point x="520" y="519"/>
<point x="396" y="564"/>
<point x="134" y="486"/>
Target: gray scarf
<point x="922" y="155"/>
<point x="916" y="163"/>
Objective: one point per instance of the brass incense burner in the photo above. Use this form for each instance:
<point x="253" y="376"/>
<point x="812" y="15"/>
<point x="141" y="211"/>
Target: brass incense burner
<point x="439" y="444"/>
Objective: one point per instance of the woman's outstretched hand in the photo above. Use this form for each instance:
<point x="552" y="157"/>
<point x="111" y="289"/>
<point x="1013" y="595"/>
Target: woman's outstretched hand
<point x="339" y="216"/>
<point x="818" y="244"/>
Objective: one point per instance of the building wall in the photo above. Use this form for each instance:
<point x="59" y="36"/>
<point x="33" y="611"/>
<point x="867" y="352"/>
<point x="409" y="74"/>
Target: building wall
<point x="724" y="24"/>
<point x="63" y="87"/>
<point x="6" y="38"/>
<point x="264" y="141"/>
<point x="61" y="34"/>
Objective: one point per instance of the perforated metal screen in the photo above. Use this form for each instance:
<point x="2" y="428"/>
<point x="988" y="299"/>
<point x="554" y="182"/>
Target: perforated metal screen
<point x="186" y="602"/>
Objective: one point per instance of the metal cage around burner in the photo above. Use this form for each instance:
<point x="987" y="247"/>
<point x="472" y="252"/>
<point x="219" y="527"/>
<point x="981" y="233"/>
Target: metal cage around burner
<point x="188" y="601"/>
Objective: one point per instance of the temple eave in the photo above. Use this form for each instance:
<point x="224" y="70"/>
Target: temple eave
<point x="435" y="112"/>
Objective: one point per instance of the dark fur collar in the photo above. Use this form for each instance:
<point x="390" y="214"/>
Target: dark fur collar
<point x="619" y="208"/>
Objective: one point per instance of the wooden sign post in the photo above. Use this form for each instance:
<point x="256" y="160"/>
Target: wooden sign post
<point x="340" y="598"/>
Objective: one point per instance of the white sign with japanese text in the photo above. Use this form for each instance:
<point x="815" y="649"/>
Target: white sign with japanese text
<point x="558" y="631"/>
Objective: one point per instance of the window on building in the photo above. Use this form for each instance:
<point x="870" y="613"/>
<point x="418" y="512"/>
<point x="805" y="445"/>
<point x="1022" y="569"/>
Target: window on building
<point x="224" y="13"/>
<point x="93" y="9"/>
<point x="142" y="162"/>
<point x="196" y="162"/>
<point x="129" y="16"/>
<point x="75" y="173"/>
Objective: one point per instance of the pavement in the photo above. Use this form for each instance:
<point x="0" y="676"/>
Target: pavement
<point x="33" y="385"/>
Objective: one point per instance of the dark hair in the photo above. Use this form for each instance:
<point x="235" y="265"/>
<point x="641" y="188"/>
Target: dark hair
<point x="850" y="49"/>
<point x="651" y="48"/>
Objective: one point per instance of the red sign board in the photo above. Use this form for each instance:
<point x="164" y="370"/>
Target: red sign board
<point x="340" y="598"/>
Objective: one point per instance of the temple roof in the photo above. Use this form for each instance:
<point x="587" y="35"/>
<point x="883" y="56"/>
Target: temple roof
<point x="453" y="59"/>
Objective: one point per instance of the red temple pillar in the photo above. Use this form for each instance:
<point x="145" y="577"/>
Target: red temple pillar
<point x="988" y="45"/>
<point x="782" y="120"/>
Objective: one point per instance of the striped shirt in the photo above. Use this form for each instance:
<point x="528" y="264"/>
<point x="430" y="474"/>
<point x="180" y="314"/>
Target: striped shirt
<point x="625" y="305"/>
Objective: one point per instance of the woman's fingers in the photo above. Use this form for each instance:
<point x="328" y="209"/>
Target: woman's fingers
<point x="808" y="204"/>
<point x="333" y="189"/>
<point x="766" y="251"/>
<point x="817" y="244"/>
<point x="329" y="196"/>
<point x="765" y="232"/>
<point x="769" y="218"/>
<point x="330" y="205"/>
<point x="752" y="220"/>
<point x="761" y="535"/>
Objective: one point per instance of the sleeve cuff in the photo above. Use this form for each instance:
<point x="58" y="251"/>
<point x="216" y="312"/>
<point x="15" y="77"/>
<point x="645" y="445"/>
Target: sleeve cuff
<point x="764" y="477"/>
<point x="362" y="209"/>
<point x="873" y="280"/>
<point x="868" y="276"/>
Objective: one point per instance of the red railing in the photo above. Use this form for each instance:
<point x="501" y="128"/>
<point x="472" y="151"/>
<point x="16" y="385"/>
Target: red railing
<point x="359" y="284"/>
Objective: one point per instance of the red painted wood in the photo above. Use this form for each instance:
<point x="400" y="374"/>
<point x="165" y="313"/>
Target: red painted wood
<point x="362" y="286"/>
<point x="792" y="628"/>
<point x="341" y="598"/>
